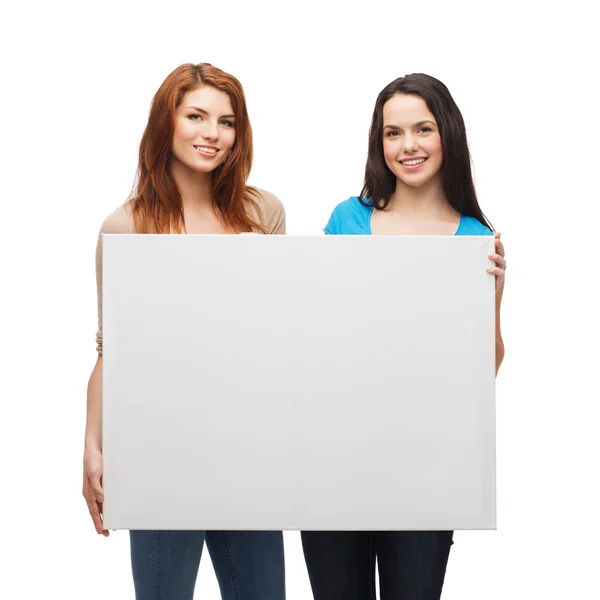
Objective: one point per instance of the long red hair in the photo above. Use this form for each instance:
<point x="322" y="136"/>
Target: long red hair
<point x="156" y="201"/>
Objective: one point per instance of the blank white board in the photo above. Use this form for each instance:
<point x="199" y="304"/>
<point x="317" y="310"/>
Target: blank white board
<point x="281" y="382"/>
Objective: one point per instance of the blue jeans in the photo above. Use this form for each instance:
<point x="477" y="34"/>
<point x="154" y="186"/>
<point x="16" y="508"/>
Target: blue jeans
<point x="341" y="564"/>
<point x="249" y="564"/>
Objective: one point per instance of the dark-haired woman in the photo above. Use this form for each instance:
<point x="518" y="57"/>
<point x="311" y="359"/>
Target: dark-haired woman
<point x="417" y="182"/>
<point x="194" y="160"/>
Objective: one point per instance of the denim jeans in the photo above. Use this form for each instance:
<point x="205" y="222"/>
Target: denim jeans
<point x="341" y="564"/>
<point x="249" y="564"/>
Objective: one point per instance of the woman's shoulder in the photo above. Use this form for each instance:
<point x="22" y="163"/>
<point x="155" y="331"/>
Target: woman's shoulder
<point x="471" y="226"/>
<point x="119" y="221"/>
<point x="351" y="205"/>
<point x="272" y="212"/>
<point x="269" y="200"/>
<point x="349" y="216"/>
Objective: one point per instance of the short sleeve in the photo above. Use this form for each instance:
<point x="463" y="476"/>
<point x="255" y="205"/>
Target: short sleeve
<point x="344" y="218"/>
<point x="117" y="222"/>
<point x="348" y="217"/>
<point x="273" y="213"/>
<point x="332" y="227"/>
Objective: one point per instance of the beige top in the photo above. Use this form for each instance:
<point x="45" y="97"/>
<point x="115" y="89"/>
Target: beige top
<point x="121" y="221"/>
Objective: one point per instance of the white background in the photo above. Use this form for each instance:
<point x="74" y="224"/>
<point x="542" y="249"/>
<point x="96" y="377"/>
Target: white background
<point x="77" y="80"/>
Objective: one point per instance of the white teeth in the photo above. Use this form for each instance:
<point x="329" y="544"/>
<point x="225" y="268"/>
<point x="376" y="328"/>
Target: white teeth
<point x="410" y="163"/>
<point x="205" y="149"/>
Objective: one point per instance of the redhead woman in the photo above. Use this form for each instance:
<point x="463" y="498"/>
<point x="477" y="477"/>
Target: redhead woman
<point x="194" y="160"/>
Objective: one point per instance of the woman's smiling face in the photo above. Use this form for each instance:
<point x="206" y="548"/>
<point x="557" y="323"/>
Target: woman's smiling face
<point x="204" y="129"/>
<point x="412" y="145"/>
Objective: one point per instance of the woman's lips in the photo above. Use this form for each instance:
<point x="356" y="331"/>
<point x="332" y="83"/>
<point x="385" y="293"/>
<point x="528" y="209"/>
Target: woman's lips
<point x="206" y="151"/>
<point x="412" y="164"/>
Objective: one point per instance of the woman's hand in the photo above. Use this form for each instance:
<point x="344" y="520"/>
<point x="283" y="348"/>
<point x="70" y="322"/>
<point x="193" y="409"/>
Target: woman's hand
<point x="92" y="487"/>
<point x="500" y="261"/>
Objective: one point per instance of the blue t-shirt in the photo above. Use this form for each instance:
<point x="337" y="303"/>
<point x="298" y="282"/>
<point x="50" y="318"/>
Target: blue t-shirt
<point x="351" y="217"/>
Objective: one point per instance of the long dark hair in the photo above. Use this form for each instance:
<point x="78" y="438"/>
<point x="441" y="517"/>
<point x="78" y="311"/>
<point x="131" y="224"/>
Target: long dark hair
<point x="457" y="179"/>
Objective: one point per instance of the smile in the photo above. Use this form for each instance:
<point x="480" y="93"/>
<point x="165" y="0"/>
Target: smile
<point x="411" y="162"/>
<point x="206" y="150"/>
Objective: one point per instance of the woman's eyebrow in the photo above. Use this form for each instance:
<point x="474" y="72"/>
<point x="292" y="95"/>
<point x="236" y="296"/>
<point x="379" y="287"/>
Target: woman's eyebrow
<point x="201" y="110"/>
<point x="417" y="124"/>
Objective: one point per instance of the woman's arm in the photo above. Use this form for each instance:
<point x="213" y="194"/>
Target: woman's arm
<point x="93" y="425"/>
<point x="499" y="342"/>
<point x="498" y="271"/>
<point x="92" y="457"/>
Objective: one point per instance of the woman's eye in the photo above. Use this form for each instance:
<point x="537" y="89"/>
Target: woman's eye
<point x="194" y="117"/>
<point x="227" y="123"/>
<point x="425" y="129"/>
<point x="392" y="133"/>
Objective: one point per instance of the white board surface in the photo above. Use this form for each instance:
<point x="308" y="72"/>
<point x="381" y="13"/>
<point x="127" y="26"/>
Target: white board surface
<point x="298" y="382"/>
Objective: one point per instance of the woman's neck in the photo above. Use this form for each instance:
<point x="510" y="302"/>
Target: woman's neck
<point x="195" y="188"/>
<point x="426" y="201"/>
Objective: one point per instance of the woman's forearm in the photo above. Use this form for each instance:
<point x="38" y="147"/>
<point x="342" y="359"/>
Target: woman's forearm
<point x="93" y="428"/>
<point x="499" y="341"/>
<point x="499" y="353"/>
